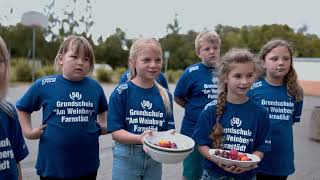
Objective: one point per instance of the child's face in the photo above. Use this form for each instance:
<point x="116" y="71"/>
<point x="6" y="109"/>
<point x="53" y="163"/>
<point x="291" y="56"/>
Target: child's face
<point x="74" y="67"/>
<point x="240" y="79"/>
<point x="277" y="62"/>
<point x="148" y="63"/>
<point x="209" y="52"/>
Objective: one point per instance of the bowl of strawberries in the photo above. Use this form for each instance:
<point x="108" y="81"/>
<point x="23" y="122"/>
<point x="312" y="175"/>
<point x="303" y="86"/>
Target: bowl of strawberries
<point x="234" y="157"/>
<point x="169" y="148"/>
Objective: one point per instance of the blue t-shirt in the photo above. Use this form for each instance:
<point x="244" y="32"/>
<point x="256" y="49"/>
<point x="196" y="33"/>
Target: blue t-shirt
<point x="161" y="79"/>
<point x="137" y="109"/>
<point x="245" y="126"/>
<point x="69" y="145"/>
<point x="12" y="145"/>
<point x="283" y="112"/>
<point x="198" y="85"/>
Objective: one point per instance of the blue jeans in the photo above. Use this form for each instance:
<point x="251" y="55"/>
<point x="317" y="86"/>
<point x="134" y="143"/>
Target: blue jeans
<point x="211" y="175"/>
<point x="130" y="162"/>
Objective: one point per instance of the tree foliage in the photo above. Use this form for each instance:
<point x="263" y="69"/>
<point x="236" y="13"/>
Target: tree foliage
<point x="114" y="49"/>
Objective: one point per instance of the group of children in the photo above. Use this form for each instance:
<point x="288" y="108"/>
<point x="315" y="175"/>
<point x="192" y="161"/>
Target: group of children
<point x="233" y="102"/>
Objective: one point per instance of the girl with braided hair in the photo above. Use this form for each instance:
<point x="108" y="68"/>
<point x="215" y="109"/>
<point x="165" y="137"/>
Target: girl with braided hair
<point x="235" y="122"/>
<point x="278" y="90"/>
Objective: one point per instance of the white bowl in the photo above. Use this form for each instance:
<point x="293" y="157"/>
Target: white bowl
<point x="228" y="162"/>
<point x="166" y="156"/>
<point x="184" y="143"/>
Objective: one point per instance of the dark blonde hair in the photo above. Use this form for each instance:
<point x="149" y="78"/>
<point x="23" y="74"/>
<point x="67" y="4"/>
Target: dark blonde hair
<point x="78" y="45"/>
<point x="291" y="78"/>
<point x="4" y="58"/>
<point x="233" y="56"/>
<point x="136" y="48"/>
<point x="206" y="36"/>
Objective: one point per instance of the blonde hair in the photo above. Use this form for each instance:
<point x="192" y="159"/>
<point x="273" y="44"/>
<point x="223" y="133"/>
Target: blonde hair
<point x="206" y="36"/>
<point x="233" y="56"/>
<point x="291" y="78"/>
<point x="4" y="58"/>
<point x="136" y="48"/>
<point x="79" y="45"/>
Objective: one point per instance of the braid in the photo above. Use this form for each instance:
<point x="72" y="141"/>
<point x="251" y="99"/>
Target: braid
<point x="217" y="130"/>
<point x="293" y="86"/>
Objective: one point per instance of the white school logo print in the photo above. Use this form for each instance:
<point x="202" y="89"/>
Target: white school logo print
<point x="235" y="122"/>
<point x="75" y="96"/>
<point x="146" y="104"/>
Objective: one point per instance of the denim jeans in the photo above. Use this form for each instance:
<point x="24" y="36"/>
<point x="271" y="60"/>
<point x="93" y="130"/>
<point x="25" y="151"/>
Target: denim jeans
<point x="211" y="175"/>
<point x="130" y="162"/>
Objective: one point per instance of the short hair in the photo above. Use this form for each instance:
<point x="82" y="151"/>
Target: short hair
<point x="206" y="36"/>
<point x="79" y="45"/>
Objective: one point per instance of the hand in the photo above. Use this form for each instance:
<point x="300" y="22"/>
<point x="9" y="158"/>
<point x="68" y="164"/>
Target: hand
<point x="148" y="132"/>
<point x="36" y="132"/>
<point x="172" y="131"/>
<point x="235" y="169"/>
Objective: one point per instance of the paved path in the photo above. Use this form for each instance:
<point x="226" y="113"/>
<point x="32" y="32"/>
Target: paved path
<point x="307" y="153"/>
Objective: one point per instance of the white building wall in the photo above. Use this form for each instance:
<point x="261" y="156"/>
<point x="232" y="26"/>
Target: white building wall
<point x="308" y="69"/>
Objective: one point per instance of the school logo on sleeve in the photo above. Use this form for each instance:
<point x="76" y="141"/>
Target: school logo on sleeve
<point x="48" y="80"/>
<point x="146" y="104"/>
<point x="235" y="122"/>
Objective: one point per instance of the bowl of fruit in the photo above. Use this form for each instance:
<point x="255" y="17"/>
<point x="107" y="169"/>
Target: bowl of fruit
<point x="233" y="157"/>
<point x="168" y="148"/>
<point x="168" y="142"/>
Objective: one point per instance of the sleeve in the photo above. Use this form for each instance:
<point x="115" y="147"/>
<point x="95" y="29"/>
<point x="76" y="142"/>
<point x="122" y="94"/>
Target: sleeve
<point x="19" y="146"/>
<point x="123" y="77"/>
<point x="170" y="117"/>
<point x="163" y="81"/>
<point x="103" y="103"/>
<point x="183" y="85"/>
<point x="203" y="128"/>
<point x="298" y="111"/>
<point x="263" y="140"/>
<point x="117" y="110"/>
<point x="31" y="100"/>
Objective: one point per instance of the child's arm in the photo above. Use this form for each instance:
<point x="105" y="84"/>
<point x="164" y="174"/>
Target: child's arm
<point x="26" y="126"/>
<point x="259" y="154"/>
<point x="126" y="137"/>
<point x="180" y="101"/>
<point x="102" y="121"/>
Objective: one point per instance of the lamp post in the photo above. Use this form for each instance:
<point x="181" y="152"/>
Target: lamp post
<point x="34" y="19"/>
<point x="166" y="59"/>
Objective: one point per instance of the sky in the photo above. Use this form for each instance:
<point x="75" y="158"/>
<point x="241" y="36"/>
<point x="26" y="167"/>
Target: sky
<point x="149" y="18"/>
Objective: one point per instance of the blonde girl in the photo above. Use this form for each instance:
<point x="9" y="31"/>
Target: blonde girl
<point x="235" y="122"/>
<point x="74" y="115"/>
<point x="11" y="138"/>
<point x="279" y="91"/>
<point x="132" y="106"/>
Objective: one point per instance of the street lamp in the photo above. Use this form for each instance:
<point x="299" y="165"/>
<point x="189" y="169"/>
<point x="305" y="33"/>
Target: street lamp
<point x="34" y="19"/>
<point x="166" y="59"/>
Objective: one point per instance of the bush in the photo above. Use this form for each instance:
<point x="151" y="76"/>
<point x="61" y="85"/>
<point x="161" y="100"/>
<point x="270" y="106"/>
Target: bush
<point x="104" y="75"/>
<point x="23" y="70"/>
<point x="45" y="71"/>
<point x="174" y="75"/>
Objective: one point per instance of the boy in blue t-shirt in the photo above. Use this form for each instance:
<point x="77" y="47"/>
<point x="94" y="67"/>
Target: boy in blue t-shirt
<point x="198" y="86"/>
<point x="74" y="115"/>
<point x="161" y="79"/>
